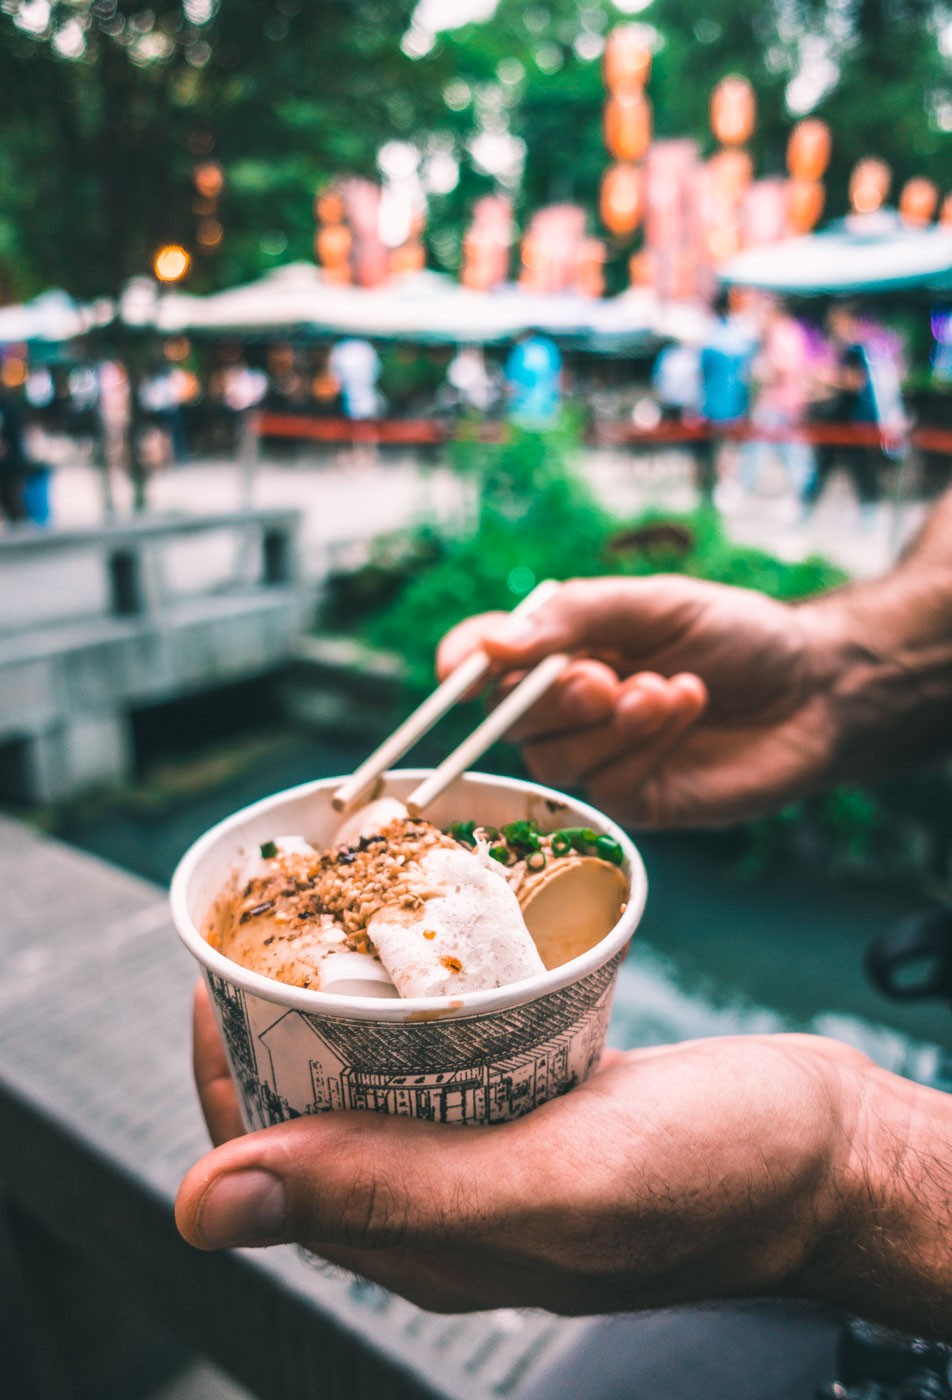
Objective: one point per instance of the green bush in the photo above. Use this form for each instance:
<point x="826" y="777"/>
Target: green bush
<point x="536" y="519"/>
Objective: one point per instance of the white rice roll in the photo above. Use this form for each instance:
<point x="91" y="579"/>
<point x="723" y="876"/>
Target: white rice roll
<point x="469" y="936"/>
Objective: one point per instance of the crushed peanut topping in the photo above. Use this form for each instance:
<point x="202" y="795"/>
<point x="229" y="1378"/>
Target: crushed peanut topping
<point x="351" y="883"/>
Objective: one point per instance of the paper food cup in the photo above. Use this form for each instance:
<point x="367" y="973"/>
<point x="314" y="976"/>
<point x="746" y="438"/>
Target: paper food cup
<point x="478" y="1057"/>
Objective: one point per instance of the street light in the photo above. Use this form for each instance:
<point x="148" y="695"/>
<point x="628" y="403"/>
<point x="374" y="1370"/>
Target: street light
<point x="171" y="263"/>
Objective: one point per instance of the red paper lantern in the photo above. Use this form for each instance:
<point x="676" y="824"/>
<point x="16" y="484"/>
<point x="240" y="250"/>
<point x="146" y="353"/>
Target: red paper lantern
<point x="733" y="110"/>
<point x="805" y="200"/>
<point x="869" y="185"/>
<point x="333" y="244"/>
<point x="809" y="148"/>
<point x="918" y="201"/>
<point x="627" y="125"/>
<point x="621" y="198"/>
<point x="627" y="59"/>
<point x="329" y="206"/>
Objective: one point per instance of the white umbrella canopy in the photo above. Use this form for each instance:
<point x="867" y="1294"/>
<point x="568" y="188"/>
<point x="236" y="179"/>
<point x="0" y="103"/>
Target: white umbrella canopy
<point x="51" y="317"/>
<point x="424" y="306"/>
<point x="872" y="253"/>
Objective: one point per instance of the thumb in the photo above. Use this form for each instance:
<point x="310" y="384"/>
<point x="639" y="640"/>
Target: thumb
<point x="359" y="1180"/>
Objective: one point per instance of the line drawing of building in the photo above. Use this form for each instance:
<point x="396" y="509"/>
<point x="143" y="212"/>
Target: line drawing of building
<point x="478" y="1068"/>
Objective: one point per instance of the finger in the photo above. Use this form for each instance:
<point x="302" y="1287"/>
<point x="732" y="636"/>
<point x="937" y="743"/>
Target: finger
<point x="584" y="695"/>
<point x="350" y="1180"/>
<point x="216" y="1088"/>
<point x="596" y="615"/>
<point x="463" y="639"/>
<point x="647" y="706"/>
<point x="637" y="788"/>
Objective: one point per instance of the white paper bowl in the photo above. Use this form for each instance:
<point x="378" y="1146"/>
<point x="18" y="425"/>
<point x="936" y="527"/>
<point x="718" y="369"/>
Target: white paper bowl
<point x="476" y="1057"/>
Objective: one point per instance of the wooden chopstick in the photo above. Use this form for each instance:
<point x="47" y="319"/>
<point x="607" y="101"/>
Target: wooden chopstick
<point x="493" y="727"/>
<point x="468" y="673"/>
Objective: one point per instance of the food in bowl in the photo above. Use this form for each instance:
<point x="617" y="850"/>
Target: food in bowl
<point x="398" y="906"/>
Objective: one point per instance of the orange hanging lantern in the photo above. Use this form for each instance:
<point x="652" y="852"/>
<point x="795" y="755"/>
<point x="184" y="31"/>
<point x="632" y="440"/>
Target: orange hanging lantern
<point x="621" y="198"/>
<point x="918" y="201"/>
<point x="627" y="125"/>
<point x="809" y="149"/>
<point x="627" y="60"/>
<point x="730" y="172"/>
<point x="642" y="268"/>
<point x="869" y="185"/>
<point x="733" y="110"/>
<point x="333" y="244"/>
<point x="805" y="200"/>
<point x="409" y="257"/>
<point x="945" y="213"/>
<point x="329" y="206"/>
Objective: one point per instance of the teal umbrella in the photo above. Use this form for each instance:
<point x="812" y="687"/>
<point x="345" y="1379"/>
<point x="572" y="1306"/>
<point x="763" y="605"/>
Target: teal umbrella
<point x="861" y="254"/>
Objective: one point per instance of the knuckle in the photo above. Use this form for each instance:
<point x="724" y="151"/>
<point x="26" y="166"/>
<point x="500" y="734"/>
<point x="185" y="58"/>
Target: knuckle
<point x="374" y="1212"/>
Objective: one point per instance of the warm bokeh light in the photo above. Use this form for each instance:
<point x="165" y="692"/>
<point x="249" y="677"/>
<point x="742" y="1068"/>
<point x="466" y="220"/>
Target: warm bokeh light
<point x="177" y="348"/>
<point x="918" y="201"/>
<point x="733" y="110"/>
<point x="945" y="213"/>
<point x="809" y="149"/>
<point x="805" y="200"/>
<point x="621" y="199"/>
<point x="627" y="60"/>
<point x="209" y="179"/>
<point x="171" y="263"/>
<point x="869" y="185"/>
<point x="730" y="172"/>
<point x="329" y="206"/>
<point x="13" y="372"/>
<point x="627" y="125"/>
<point x="209" y="234"/>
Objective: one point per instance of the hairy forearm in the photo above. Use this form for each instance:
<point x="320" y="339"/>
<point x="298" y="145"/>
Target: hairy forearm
<point x="889" y="1256"/>
<point x="884" y="651"/>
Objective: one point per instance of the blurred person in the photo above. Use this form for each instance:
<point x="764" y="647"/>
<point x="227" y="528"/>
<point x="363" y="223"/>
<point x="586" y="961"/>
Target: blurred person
<point x="726" y="353"/>
<point x="114" y="409"/>
<point x="784" y="1166"/>
<point x="474" y="387"/>
<point x="846" y="395"/>
<point x="356" y="366"/>
<point x="532" y="375"/>
<point x="781" y="374"/>
<point x="14" y="461"/>
<point x="162" y="394"/>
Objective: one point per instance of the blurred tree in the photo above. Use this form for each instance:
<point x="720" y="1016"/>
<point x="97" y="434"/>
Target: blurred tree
<point x="108" y="105"/>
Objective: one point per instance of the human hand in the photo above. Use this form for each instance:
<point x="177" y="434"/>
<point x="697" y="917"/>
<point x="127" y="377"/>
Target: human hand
<point x="707" y="1170"/>
<point x="691" y="703"/>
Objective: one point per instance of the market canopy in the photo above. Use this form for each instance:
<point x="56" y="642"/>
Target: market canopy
<point x="426" y="306"/>
<point x="52" y="318"/>
<point x="870" y="253"/>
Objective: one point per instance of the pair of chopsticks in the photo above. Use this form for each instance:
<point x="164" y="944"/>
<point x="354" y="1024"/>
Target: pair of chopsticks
<point x="470" y="672"/>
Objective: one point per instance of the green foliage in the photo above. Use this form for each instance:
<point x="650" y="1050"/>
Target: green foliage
<point x="537" y="519"/>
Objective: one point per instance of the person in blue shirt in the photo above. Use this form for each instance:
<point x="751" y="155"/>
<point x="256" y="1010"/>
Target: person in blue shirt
<point x="725" y="385"/>
<point x="533" y="375"/>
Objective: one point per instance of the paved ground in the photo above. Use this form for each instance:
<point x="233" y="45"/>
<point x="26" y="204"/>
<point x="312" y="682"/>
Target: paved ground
<point x="347" y="501"/>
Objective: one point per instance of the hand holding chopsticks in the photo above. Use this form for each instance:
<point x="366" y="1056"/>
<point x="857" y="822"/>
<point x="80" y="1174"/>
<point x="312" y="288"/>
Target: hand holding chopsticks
<point x="469" y="673"/>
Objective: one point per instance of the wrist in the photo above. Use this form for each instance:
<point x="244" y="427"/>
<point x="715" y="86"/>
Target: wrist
<point x="882" y="659"/>
<point x="885" y="1247"/>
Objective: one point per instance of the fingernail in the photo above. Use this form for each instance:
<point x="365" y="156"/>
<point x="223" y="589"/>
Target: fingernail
<point x="515" y="632"/>
<point x="242" y="1208"/>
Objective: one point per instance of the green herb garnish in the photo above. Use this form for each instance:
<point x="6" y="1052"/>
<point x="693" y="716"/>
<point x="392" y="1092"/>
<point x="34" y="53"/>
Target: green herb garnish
<point x="463" y="831"/>
<point x="609" y="849"/>
<point x="535" y="860"/>
<point x="269" y="850"/>
<point x="502" y="854"/>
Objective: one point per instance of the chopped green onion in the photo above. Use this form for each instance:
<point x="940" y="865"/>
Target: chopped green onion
<point x="269" y="850"/>
<point x="609" y="849"/>
<point x="561" y="843"/>
<point x="491" y="833"/>
<point x="463" y="831"/>
<point x="535" y="860"/>
<point x="502" y="854"/>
